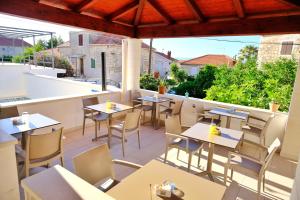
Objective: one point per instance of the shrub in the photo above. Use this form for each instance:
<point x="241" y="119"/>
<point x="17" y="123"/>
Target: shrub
<point x="148" y="82"/>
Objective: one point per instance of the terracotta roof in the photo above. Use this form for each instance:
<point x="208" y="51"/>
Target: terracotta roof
<point x="212" y="59"/>
<point x="13" y="42"/>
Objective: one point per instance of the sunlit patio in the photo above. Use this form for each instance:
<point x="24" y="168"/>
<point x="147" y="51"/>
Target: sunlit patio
<point x="279" y="177"/>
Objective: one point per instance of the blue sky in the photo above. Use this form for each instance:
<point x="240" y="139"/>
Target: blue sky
<point x="181" y="48"/>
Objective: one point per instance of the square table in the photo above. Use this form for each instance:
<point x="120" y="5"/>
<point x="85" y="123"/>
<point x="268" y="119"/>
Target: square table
<point x="229" y="138"/>
<point x="138" y="185"/>
<point x="230" y="114"/>
<point x="154" y="101"/>
<point x="60" y="184"/>
<point x="102" y="108"/>
<point x="35" y="121"/>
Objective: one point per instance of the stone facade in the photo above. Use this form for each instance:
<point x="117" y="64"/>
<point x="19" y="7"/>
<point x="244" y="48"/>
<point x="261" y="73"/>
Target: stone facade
<point x="270" y="47"/>
<point x="92" y="48"/>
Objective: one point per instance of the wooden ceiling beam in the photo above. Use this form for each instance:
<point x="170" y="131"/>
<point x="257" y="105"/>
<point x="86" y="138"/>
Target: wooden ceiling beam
<point x="33" y="10"/>
<point x="166" y="17"/>
<point x="278" y="25"/>
<point x="295" y="3"/>
<point x="123" y="10"/>
<point x="195" y="10"/>
<point x="239" y="8"/>
<point x="139" y="12"/>
<point x="79" y="7"/>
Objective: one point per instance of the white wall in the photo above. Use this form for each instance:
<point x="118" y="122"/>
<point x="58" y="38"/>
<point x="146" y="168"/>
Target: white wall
<point x="44" y="87"/>
<point x="67" y="111"/>
<point x="192" y="70"/>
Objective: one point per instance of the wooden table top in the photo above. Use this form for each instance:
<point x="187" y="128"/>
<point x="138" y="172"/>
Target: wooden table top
<point x="60" y="184"/>
<point x="228" y="138"/>
<point x="36" y="121"/>
<point x="102" y="108"/>
<point x="137" y="185"/>
<point x="229" y="113"/>
<point x="154" y="99"/>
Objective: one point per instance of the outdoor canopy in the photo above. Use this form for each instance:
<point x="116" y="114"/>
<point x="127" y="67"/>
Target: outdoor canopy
<point x="165" y="18"/>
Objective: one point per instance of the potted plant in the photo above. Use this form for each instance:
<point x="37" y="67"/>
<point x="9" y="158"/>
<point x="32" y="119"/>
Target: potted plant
<point x="275" y="97"/>
<point x="162" y="87"/>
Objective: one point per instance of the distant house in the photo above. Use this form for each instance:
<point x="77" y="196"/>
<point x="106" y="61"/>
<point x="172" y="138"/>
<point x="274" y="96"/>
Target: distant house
<point x="193" y="66"/>
<point x="84" y="53"/>
<point x="273" y="47"/>
<point x="12" y="47"/>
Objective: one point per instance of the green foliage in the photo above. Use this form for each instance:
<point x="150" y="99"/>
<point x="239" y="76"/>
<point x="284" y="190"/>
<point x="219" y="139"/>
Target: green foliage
<point x="247" y="85"/>
<point x="6" y="58"/>
<point x="178" y="74"/>
<point x="46" y="44"/>
<point x="148" y="82"/>
<point x="246" y="53"/>
<point x="196" y="87"/>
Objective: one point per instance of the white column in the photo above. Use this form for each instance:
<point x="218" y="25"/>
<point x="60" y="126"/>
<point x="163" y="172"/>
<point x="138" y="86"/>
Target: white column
<point x="291" y="141"/>
<point x="131" y="64"/>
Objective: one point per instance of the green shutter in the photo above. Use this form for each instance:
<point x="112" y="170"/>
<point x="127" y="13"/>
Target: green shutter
<point x="93" y="63"/>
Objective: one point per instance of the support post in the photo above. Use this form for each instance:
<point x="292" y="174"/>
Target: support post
<point x="52" y="51"/>
<point x="291" y="145"/>
<point x="103" y="66"/>
<point x="34" y="57"/>
<point x="150" y="56"/>
<point x="131" y="66"/>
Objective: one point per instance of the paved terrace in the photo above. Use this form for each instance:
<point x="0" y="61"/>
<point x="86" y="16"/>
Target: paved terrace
<point x="279" y="176"/>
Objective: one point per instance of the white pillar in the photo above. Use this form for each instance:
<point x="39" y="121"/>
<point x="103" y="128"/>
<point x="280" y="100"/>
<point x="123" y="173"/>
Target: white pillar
<point x="131" y="64"/>
<point x="291" y="141"/>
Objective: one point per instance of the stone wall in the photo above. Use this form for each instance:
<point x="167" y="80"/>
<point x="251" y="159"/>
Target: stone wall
<point x="270" y="47"/>
<point x="113" y="55"/>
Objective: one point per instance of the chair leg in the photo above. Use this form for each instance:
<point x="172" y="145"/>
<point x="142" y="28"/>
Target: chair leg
<point x="258" y="187"/>
<point x="99" y="124"/>
<point x="83" y="126"/>
<point x="96" y="130"/>
<point x="178" y="151"/>
<point x="264" y="182"/>
<point x="225" y="174"/>
<point x="62" y="162"/>
<point x="166" y="154"/>
<point x="144" y="117"/>
<point x="123" y="141"/>
<point x="231" y="174"/>
<point x="199" y="156"/>
<point x="139" y="138"/>
<point x="26" y="170"/>
<point x="190" y="161"/>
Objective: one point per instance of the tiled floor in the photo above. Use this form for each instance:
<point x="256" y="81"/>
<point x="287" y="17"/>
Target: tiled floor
<point x="278" y="177"/>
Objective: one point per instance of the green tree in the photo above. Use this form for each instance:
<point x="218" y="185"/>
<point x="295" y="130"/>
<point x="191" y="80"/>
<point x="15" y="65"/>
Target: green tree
<point x="246" y="53"/>
<point x="56" y="42"/>
<point x="178" y="74"/>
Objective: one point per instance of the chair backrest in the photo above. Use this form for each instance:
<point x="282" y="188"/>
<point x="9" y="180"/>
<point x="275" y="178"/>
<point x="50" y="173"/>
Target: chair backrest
<point x="9" y="112"/>
<point x="135" y="95"/>
<point x="177" y="107"/>
<point x="132" y="120"/>
<point x="267" y="124"/>
<point x="94" y="164"/>
<point x="90" y="101"/>
<point x="172" y="125"/>
<point x="271" y="151"/>
<point x="44" y="146"/>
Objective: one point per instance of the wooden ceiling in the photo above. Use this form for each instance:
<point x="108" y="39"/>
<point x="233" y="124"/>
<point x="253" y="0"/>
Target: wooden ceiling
<point x="165" y="18"/>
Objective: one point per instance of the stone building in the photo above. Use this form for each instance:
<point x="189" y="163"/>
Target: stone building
<point x="273" y="47"/>
<point x="84" y="52"/>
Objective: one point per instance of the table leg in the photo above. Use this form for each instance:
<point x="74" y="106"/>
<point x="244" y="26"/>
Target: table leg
<point x="154" y="115"/>
<point x="208" y="171"/>
<point x="228" y="121"/>
<point x="109" y="130"/>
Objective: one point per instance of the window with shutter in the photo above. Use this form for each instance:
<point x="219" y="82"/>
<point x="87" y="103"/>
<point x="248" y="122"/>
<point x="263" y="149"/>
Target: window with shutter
<point x="286" y="48"/>
<point x="80" y="40"/>
<point x="93" y="63"/>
